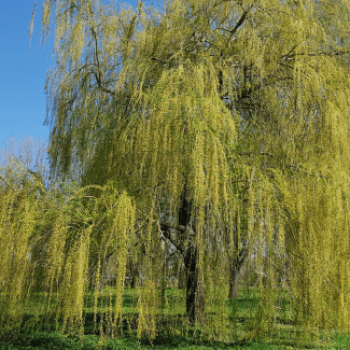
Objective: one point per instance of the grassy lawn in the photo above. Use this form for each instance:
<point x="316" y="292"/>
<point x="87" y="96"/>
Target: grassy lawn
<point x="173" y="313"/>
<point x="52" y="340"/>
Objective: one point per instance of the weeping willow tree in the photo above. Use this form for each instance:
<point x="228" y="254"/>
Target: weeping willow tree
<point x="206" y="136"/>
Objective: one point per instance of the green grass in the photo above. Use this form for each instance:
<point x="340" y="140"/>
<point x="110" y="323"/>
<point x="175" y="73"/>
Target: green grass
<point x="56" y="341"/>
<point x="47" y="338"/>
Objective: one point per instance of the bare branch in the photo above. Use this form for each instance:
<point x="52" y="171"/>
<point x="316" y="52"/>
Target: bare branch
<point x="240" y="22"/>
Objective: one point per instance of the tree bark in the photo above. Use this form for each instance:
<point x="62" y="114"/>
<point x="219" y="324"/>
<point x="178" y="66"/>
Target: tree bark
<point x="236" y="272"/>
<point x="190" y="261"/>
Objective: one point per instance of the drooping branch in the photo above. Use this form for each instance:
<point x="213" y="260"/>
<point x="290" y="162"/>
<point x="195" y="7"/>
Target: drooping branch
<point x="98" y="74"/>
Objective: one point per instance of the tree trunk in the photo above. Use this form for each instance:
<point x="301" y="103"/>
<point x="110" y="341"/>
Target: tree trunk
<point x="235" y="277"/>
<point x="193" y="306"/>
<point x="236" y="273"/>
<point x="191" y="282"/>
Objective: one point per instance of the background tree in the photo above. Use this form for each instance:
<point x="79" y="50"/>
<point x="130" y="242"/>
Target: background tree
<point x="219" y="126"/>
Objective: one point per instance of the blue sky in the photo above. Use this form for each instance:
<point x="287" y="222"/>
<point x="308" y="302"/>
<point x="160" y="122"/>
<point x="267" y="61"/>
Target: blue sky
<point x="22" y="78"/>
<point x="22" y="74"/>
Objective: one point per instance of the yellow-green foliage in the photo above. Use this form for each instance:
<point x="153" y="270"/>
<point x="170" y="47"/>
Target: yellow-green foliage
<point x="238" y="108"/>
<point x="49" y="248"/>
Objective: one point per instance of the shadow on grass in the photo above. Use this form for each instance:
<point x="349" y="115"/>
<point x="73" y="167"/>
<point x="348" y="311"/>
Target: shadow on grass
<point x="49" y="341"/>
<point x="56" y="341"/>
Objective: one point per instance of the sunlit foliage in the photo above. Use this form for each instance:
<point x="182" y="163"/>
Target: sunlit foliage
<point x="216" y="132"/>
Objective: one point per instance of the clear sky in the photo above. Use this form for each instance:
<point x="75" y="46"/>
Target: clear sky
<point x="22" y="77"/>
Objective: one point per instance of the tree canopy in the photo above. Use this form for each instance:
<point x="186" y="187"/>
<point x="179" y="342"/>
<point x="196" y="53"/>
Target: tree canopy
<point x="214" y="134"/>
